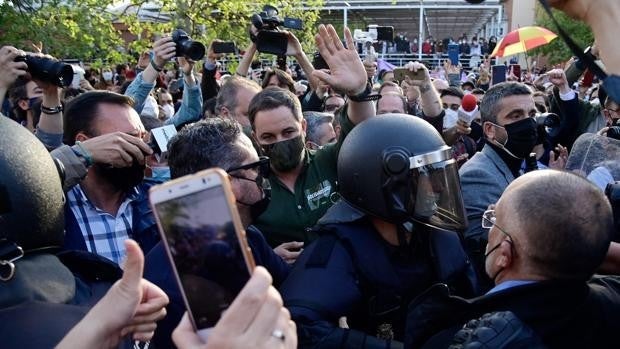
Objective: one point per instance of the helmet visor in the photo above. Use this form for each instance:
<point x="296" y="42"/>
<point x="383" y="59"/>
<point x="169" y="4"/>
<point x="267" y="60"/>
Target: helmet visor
<point x="438" y="199"/>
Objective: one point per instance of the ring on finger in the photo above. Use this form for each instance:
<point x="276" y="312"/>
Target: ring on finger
<point x="278" y="334"/>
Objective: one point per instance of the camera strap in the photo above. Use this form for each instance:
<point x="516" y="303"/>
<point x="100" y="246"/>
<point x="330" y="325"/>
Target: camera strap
<point x="587" y="60"/>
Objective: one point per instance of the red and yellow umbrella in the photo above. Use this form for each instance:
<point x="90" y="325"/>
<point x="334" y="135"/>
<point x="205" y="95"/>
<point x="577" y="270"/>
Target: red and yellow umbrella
<point x="521" y="40"/>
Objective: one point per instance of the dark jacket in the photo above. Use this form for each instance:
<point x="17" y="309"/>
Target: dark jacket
<point x="352" y="271"/>
<point x="563" y="314"/>
<point x="49" y="295"/>
<point x="158" y="270"/>
<point x="144" y="227"/>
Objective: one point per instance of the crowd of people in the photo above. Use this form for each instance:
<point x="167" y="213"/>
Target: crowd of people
<point x="383" y="212"/>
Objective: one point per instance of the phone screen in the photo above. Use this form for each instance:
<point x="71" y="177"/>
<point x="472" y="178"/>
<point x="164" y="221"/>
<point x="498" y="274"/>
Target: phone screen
<point x="206" y="252"/>
<point x="498" y="74"/>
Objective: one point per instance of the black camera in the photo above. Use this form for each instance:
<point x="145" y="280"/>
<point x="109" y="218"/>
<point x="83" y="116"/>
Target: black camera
<point x="269" y="38"/>
<point x="614" y="132"/>
<point x="549" y="122"/>
<point x="186" y="47"/>
<point x="612" y="191"/>
<point x="48" y="70"/>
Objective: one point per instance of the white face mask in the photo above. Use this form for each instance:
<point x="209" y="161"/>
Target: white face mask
<point x="150" y="108"/>
<point x="168" y="110"/>
<point x="107" y="75"/>
<point x="450" y="119"/>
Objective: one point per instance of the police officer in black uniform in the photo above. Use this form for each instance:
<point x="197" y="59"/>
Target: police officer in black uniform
<point x="390" y="237"/>
<point x="43" y="293"/>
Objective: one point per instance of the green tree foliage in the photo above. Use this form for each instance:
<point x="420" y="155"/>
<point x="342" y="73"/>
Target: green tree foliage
<point x="87" y="30"/>
<point x="68" y="28"/>
<point x="557" y="51"/>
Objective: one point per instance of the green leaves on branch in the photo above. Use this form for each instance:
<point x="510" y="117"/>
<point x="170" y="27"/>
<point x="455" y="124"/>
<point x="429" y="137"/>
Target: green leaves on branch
<point x="557" y="51"/>
<point x="88" y="30"/>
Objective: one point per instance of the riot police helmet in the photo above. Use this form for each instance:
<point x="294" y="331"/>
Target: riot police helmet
<point x="398" y="168"/>
<point x="31" y="195"/>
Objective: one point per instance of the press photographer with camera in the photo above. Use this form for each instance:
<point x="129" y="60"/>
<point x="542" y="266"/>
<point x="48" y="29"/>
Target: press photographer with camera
<point x="42" y="77"/>
<point x="267" y="37"/>
<point x="187" y="51"/>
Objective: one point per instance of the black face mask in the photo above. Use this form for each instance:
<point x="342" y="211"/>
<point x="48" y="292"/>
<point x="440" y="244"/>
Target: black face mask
<point x="285" y="155"/>
<point x="486" y="255"/>
<point x="123" y="178"/>
<point x="522" y="137"/>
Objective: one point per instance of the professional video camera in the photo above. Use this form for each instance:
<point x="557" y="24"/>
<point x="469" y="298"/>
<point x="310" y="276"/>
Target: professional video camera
<point x="186" y="47"/>
<point x="614" y="132"/>
<point x="549" y="123"/>
<point x="48" y="69"/>
<point x="269" y="38"/>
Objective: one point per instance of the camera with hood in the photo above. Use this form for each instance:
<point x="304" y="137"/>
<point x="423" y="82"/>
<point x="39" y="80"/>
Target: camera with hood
<point x="613" y="132"/>
<point x="269" y="38"/>
<point x="612" y="191"/>
<point x="186" y="47"/>
<point x="48" y="69"/>
<point x="548" y="123"/>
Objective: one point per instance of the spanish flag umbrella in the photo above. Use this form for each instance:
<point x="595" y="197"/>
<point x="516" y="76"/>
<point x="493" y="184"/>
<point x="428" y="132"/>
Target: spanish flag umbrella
<point x="521" y="40"/>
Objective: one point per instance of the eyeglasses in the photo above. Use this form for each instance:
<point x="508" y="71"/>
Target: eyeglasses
<point x="610" y="110"/>
<point x="263" y="169"/>
<point x="489" y="220"/>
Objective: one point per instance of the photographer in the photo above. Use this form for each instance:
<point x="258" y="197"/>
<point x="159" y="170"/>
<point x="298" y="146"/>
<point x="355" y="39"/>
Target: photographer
<point x="164" y="50"/>
<point x="293" y="49"/>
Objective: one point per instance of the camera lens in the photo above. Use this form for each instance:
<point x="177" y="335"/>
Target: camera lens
<point x="187" y="47"/>
<point x="48" y="70"/>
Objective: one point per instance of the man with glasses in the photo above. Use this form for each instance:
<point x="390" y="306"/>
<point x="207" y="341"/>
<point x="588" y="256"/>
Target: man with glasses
<point x="510" y="134"/>
<point x="542" y="252"/>
<point x="219" y="143"/>
<point x="611" y="112"/>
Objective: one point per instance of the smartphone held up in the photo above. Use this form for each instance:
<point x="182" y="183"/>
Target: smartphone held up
<point x="205" y="242"/>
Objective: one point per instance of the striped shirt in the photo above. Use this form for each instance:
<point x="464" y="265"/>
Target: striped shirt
<point x="104" y="234"/>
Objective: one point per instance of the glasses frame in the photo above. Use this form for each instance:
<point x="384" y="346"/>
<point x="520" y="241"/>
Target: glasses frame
<point x="489" y="221"/>
<point x="264" y="167"/>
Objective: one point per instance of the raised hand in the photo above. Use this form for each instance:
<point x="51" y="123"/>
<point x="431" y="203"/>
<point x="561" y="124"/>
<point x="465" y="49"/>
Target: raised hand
<point x="348" y="75"/>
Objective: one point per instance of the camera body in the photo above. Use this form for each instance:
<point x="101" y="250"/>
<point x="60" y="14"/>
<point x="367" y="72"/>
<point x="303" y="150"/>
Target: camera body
<point x="614" y="132"/>
<point x="612" y="191"/>
<point x="48" y="70"/>
<point x="549" y="122"/>
<point x="269" y="38"/>
<point x="186" y="47"/>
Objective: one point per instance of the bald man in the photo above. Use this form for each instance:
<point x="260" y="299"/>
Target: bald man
<point x="549" y="232"/>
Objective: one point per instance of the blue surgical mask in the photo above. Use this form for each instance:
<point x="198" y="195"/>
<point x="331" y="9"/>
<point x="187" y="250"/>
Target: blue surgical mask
<point x="160" y="173"/>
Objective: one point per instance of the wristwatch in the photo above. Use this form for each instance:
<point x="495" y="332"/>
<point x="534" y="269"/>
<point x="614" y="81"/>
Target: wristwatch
<point x="366" y="95"/>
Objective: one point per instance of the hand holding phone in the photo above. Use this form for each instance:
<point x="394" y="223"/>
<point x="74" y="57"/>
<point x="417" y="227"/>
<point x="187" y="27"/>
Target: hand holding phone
<point x="402" y="74"/>
<point x="205" y="242"/>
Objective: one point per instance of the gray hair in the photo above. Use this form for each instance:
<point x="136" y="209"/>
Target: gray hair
<point x="489" y="106"/>
<point x="205" y="144"/>
<point x="314" y="120"/>
<point x="227" y="96"/>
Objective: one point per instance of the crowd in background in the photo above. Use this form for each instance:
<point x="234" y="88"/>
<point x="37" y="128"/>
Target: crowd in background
<point x="389" y="205"/>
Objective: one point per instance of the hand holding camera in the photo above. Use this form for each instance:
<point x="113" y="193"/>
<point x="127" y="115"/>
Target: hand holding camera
<point x="178" y="44"/>
<point x="11" y="69"/>
<point x="164" y="50"/>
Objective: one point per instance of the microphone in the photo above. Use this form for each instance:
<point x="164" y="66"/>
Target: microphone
<point x="469" y="108"/>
